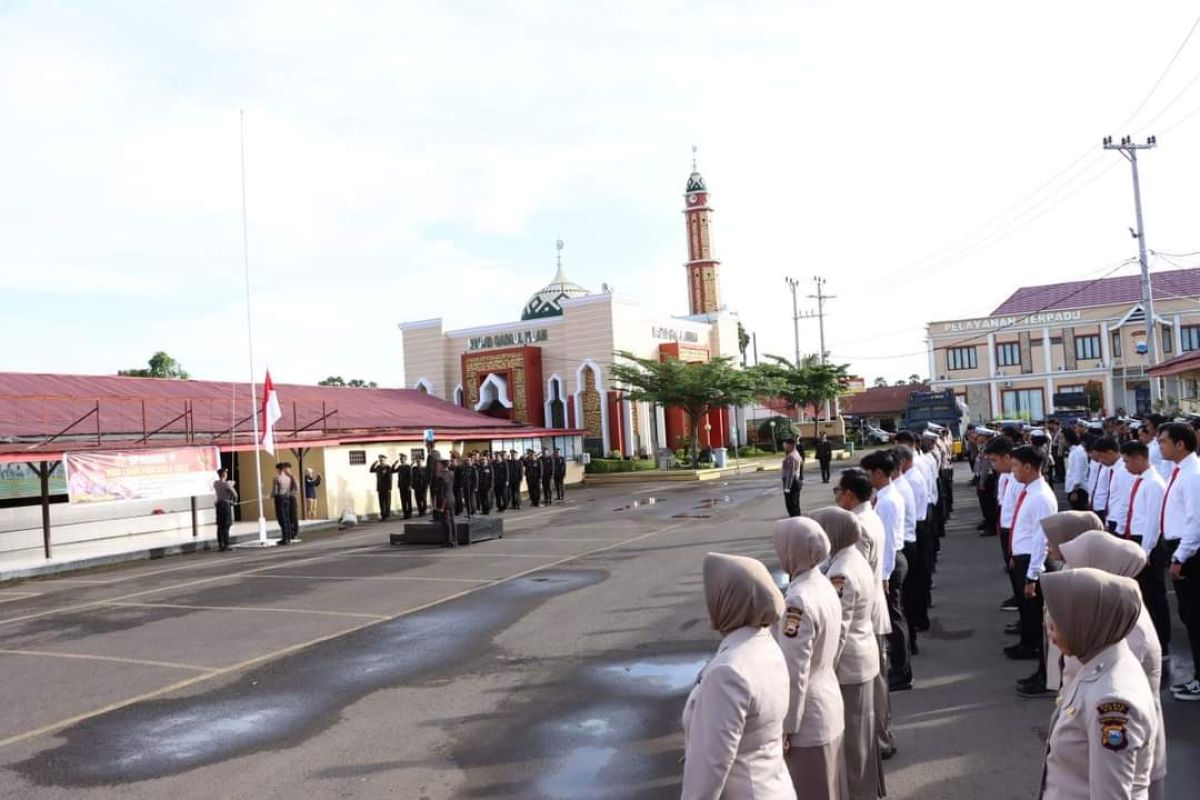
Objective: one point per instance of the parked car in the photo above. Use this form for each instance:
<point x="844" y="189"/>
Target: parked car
<point x="873" y="435"/>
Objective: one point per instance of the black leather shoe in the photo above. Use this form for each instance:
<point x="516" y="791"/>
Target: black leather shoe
<point x="1020" y="652"/>
<point x="1012" y="629"/>
<point x="888" y="753"/>
<point x="1037" y="689"/>
<point x="900" y="685"/>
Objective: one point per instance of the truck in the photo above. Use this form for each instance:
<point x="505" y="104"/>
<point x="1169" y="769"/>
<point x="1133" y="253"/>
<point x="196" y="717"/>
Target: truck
<point x="941" y="408"/>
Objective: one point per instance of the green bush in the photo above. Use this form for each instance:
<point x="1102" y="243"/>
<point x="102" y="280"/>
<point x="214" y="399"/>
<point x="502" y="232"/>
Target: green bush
<point x="784" y="429"/>
<point x="607" y="466"/>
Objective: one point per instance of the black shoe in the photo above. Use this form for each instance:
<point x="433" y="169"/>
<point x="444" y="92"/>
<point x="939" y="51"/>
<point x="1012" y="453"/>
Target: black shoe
<point x="900" y="685"/>
<point x="981" y="526"/>
<point x="1013" y="629"/>
<point x="887" y="753"/>
<point x="912" y="646"/>
<point x="1020" y="652"/>
<point x="922" y="627"/>
<point x="1010" y="605"/>
<point x="1037" y="689"/>
<point x="988" y="533"/>
<point x="1030" y="680"/>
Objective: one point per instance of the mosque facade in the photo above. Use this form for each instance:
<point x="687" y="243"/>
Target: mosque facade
<point x="551" y="368"/>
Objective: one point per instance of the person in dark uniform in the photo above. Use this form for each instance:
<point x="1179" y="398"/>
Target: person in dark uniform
<point x="420" y="483"/>
<point x="485" y="484"/>
<point x="458" y="468"/>
<point x="500" y="480"/>
<point x="227" y="498"/>
<point x="516" y="470"/>
<point x="432" y="461"/>
<point x="383" y="485"/>
<point x="547" y="464"/>
<point x="404" y="484"/>
<point x="533" y="478"/>
<point x="283" y="492"/>
<point x="445" y="502"/>
<point x="824" y="453"/>
<point x="471" y="484"/>
<point x="560" y="474"/>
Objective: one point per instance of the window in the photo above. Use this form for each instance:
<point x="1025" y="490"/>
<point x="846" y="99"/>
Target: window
<point x="1167" y="344"/>
<point x="1087" y="348"/>
<point x="1008" y="354"/>
<point x="1023" y="404"/>
<point x="961" y="358"/>
<point x="1116" y="344"/>
<point x="1189" y="338"/>
<point x="358" y="457"/>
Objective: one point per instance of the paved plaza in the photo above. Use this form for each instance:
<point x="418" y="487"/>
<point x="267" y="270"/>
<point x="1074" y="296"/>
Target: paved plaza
<point x="551" y="663"/>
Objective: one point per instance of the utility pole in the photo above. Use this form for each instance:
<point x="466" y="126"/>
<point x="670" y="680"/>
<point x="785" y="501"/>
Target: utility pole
<point x="821" y="297"/>
<point x="1128" y="149"/>
<point x="796" y="316"/>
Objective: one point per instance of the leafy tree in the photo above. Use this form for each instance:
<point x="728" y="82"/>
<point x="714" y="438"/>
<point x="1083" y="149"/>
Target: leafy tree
<point x="914" y="379"/>
<point x="694" y="387"/>
<point x="358" y="383"/>
<point x="161" y="366"/>
<point x="881" y="383"/>
<point x="1095" y="395"/>
<point x="743" y="341"/>
<point x="784" y="428"/>
<point x="809" y="383"/>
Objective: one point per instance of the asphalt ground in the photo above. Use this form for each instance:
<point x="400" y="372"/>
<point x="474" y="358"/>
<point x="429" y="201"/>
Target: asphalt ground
<point x="551" y="663"/>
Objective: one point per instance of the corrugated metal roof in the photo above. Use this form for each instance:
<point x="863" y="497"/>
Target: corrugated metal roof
<point x="1104" y="292"/>
<point x="880" y="400"/>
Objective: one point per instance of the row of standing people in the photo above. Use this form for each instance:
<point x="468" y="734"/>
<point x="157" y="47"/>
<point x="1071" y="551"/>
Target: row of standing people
<point x="480" y="481"/>
<point x="284" y="490"/>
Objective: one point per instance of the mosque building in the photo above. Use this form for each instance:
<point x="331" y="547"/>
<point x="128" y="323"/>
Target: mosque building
<point x="552" y="367"/>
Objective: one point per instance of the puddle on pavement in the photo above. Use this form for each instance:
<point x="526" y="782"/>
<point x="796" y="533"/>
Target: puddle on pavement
<point x="648" y="501"/>
<point x="713" y="502"/>
<point x="265" y="708"/>
<point x="662" y="675"/>
<point x="580" y="769"/>
<point x="690" y="515"/>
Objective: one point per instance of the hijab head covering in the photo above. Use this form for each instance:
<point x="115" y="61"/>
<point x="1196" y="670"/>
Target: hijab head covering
<point x="800" y="544"/>
<point x="841" y="526"/>
<point x="739" y="593"/>
<point x="1091" y="609"/>
<point x="1066" y="525"/>
<point x="1105" y="552"/>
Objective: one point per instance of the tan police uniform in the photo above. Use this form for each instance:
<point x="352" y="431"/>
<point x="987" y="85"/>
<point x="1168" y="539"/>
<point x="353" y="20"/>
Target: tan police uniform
<point x="1101" y="743"/>
<point x="809" y="635"/>
<point x="733" y="722"/>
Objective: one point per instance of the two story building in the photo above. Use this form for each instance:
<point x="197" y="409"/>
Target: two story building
<point x="1059" y="338"/>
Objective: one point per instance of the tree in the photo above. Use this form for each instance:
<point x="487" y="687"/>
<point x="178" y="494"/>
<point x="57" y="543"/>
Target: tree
<point x="358" y="383"/>
<point x="161" y="366"/>
<point x="914" y="379"/>
<point x="881" y="383"/>
<point x="696" y="387"/>
<point x="743" y="341"/>
<point x="1095" y="394"/>
<point x="783" y="428"/>
<point x="809" y="383"/>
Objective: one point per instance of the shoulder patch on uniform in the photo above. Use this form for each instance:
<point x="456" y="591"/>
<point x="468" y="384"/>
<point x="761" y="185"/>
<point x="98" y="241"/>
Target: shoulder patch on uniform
<point x="1112" y="733"/>
<point x="1113" y="707"/>
<point x="791" y="625"/>
<point x="839" y="583"/>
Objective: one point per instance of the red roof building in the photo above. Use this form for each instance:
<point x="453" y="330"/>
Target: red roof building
<point x="880" y="402"/>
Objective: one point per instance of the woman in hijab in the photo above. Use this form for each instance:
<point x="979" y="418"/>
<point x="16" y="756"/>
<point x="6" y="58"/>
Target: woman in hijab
<point x="1101" y="742"/>
<point x="1059" y="528"/>
<point x="733" y="719"/>
<point x="809" y="637"/>
<point x="858" y="659"/>
<point x="1126" y="558"/>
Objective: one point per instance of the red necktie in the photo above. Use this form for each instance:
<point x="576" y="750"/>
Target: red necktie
<point x="1108" y="497"/>
<point x="1013" y="530"/>
<point x="1129" y="514"/>
<point x="1162" y="515"/>
<point x="874" y="502"/>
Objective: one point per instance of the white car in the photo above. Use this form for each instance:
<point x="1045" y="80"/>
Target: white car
<point x="874" y="435"/>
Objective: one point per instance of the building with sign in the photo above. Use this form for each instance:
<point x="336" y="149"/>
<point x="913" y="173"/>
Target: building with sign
<point x="551" y="367"/>
<point x="1062" y="339"/>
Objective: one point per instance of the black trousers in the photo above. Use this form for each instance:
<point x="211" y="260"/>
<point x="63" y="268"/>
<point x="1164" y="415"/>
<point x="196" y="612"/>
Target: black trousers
<point x="406" y="501"/>
<point x="535" y="492"/>
<point x="1031" y="609"/>
<point x="283" y="515"/>
<point x="791" y="500"/>
<point x="1060" y="469"/>
<point x="224" y="523"/>
<point x="485" y="500"/>
<point x="824" y="471"/>
<point x="1153" y="582"/>
<point x="385" y="503"/>
<point x="1187" y="594"/>
<point x="501" y="493"/>
<point x="293" y="516"/>
<point x="947" y="490"/>
<point x="914" y="598"/>
<point x="900" y="662"/>
<point x="558" y="488"/>
<point x="546" y="483"/>
<point x="1006" y="548"/>
<point x="421" y="496"/>
<point x="514" y="494"/>
<point x="449" y="526"/>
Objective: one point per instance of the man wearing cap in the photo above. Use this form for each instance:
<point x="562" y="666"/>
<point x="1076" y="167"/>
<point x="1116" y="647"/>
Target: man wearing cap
<point x="547" y="477"/>
<point x="1077" y="471"/>
<point x="444" y="503"/>
<point x="533" y="478"/>
<point x="500" y="480"/>
<point x="516" y="470"/>
<point x="420" y="482"/>
<point x="560" y="474"/>
<point x="404" y="481"/>
<point x="383" y="485"/>
<point x="485" y="484"/>
<point x="793" y="477"/>
<point x="824" y="453"/>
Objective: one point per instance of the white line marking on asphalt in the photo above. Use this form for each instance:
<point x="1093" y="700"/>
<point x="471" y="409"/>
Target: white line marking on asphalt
<point x="372" y="578"/>
<point x="114" y="659"/>
<point x="8" y="597"/>
<point x="311" y="611"/>
<point x="448" y="554"/>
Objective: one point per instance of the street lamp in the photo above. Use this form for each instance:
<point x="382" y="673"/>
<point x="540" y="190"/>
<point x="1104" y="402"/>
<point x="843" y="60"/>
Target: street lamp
<point x="774" y="443"/>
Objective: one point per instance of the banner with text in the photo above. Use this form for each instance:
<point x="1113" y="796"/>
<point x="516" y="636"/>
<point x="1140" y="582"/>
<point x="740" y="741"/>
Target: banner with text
<point x="19" y="481"/>
<point x="141" y="474"/>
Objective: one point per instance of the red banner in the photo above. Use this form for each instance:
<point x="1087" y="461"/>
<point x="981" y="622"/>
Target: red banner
<point x="95" y="477"/>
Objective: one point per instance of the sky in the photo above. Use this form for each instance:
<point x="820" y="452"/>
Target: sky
<point x="413" y="160"/>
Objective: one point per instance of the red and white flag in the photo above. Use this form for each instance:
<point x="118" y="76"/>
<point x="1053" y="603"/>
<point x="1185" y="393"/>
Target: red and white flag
<point x="270" y="414"/>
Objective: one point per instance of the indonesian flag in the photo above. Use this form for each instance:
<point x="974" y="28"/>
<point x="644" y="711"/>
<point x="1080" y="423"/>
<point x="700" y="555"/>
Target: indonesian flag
<point x="270" y="414"/>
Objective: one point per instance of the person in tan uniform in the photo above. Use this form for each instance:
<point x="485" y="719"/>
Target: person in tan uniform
<point x="1101" y="742"/>
<point x="1126" y="558"/>
<point x="809" y="637"/>
<point x="858" y="659"/>
<point x="733" y="718"/>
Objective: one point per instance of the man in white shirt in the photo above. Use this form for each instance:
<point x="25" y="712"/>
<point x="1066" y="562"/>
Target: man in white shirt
<point x="1143" y="507"/>
<point x="1035" y="502"/>
<point x="889" y="502"/>
<point x="1102" y="452"/>
<point x="1077" y="471"/>
<point x="999" y="452"/>
<point x="916" y="585"/>
<point x="1180" y="525"/>
<point x="1148" y="434"/>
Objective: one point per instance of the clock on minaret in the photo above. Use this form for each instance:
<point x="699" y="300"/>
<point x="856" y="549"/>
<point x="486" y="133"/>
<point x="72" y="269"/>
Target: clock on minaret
<point x="704" y="286"/>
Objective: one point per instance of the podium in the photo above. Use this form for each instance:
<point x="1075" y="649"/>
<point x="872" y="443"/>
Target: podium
<point x="470" y="531"/>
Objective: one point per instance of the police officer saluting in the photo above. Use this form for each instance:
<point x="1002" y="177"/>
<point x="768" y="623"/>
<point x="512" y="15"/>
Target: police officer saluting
<point x="560" y="474"/>
<point x="516" y="470"/>
<point x="485" y="484"/>
<point x="404" y="482"/>
<point x="420" y="483"/>
<point x="533" y="478"/>
<point x="383" y="485"/>
<point x="547" y="465"/>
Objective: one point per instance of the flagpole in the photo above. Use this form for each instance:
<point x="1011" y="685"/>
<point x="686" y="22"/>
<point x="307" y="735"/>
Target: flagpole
<point x="262" y="519"/>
